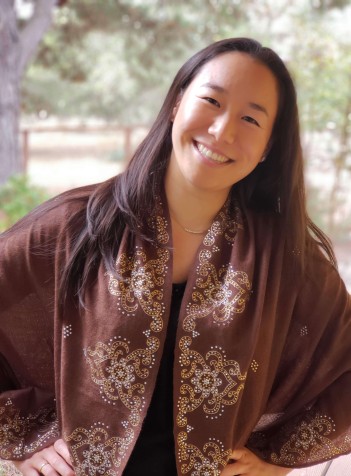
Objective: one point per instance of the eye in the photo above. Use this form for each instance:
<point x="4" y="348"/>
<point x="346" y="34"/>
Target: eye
<point x="251" y="120"/>
<point x="212" y="101"/>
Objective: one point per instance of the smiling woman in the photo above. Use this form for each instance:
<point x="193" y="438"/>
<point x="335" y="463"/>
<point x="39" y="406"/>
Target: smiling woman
<point x="185" y="317"/>
<point x="223" y="120"/>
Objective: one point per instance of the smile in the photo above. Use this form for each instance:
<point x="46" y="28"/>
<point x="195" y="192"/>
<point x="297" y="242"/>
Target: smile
<point x="208" y="153"/>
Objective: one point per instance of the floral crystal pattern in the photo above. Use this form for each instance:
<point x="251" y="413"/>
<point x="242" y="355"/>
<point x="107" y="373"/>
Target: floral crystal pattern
<point x="219" y="295"/>
<point x="206" y="462"/>
<point x="95" y="452"/>
<point x="120" y="372"/>
<point x="14" y="428"/>
<point x="310" y="442"/>
<point x="212" y="382"/>
<point x="141" y="285"/>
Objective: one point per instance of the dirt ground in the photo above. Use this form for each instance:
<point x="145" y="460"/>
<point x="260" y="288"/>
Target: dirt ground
<point x="60" y="161"/>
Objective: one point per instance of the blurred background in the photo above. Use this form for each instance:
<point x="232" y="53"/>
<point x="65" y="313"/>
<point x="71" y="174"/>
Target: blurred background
<point x="82" y="80"/>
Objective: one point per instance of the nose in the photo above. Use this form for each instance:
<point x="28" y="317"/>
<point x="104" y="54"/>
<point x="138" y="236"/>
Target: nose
<point x="223" y="129"/>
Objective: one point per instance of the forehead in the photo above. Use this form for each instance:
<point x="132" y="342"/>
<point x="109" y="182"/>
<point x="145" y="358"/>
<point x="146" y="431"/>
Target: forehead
<point x="229" y="67"/>
<point x="236" y="70"/>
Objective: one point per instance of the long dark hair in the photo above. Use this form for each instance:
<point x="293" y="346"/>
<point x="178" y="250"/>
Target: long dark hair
<point x="276" y="185"/>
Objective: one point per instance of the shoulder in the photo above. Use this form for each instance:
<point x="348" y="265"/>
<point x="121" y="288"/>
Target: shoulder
<point x="264" y="229"/>
<point x="322" y="290"/>
<point x="36" y="246"/>
<point x="44" y="236"/>
<point x="319" y="270"/>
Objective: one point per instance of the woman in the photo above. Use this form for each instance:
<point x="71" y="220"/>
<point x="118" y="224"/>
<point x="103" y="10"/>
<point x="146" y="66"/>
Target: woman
<point x="186" y="316"/>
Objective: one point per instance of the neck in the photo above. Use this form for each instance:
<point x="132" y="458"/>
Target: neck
<point x="193" y="209"/>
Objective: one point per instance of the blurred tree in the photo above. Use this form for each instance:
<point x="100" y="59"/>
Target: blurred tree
<point x="318" y="53"/>
<point x="8" y="91"/>
<point x="325" y="5"/>
<point x="113" y="59"/>
<point x="325" y="105"/>
<point x="17" y="47"/>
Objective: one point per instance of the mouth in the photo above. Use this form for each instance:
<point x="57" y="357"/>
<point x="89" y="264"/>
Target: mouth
<point x="210" y="154"/>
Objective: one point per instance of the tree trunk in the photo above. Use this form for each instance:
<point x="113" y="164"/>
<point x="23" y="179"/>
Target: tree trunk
<point x="9" y="86"/>
<point x="33" y="32"/>
<point x="16" y="51"/>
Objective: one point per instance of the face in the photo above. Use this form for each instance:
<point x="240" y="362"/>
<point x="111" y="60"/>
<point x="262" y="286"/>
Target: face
<point x="222" y="123"/>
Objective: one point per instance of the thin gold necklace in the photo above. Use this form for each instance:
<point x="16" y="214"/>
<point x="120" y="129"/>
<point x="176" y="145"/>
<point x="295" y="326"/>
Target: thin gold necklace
<point x="193" y="232"/>
<point x="188" y="230"/>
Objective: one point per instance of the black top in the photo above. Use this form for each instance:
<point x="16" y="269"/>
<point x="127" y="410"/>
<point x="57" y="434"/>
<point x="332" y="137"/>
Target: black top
<point x="154" y="452"/>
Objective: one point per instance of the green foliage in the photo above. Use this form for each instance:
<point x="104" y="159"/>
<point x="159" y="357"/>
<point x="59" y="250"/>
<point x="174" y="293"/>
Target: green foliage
<point x="17" y="198"/>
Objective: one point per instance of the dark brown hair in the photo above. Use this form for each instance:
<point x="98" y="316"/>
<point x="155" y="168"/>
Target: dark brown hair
<point x="276" y="185"/>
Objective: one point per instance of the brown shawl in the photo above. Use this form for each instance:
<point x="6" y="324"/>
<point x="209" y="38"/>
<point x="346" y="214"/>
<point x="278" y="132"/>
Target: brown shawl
<point x="261" y="358"/>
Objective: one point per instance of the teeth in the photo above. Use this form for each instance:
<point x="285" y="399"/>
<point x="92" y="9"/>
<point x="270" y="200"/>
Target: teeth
<point x="212" y="155"/>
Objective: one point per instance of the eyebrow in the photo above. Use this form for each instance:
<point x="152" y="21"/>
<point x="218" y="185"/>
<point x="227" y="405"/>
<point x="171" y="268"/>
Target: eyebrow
<point x="220" y="89"/>
<point x="214" y="86"/>
<point x="258" y="107"/>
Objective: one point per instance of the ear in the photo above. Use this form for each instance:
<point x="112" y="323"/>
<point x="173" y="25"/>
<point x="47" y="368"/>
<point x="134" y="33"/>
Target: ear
<point x="176" y="107"/>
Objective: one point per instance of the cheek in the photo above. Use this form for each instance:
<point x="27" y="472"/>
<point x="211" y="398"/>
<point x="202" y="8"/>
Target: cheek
<point x="181" y="131"/>
<point x="176" y="132"/>
<point x="189" y="115"/>
<point x="256" y="148"/>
